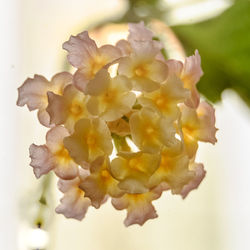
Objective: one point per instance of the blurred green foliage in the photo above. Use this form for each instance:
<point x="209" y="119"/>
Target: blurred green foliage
<point x="224" y="46"/>
<point x="143" y="10"/>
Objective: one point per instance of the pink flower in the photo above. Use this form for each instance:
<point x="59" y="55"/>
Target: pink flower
<point x="88" y="58"/>
<point x="33" y="93"/>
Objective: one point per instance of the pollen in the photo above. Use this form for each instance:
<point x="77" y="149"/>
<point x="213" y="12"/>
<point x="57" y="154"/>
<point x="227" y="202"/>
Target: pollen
<point x="141" y="71"/>
<point x="76" y="109"/>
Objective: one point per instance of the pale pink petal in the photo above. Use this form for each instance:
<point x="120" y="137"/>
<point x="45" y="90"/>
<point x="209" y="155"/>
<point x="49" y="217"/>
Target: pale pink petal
<point x="33" y="93"/>
<point x="81" y="79"/>
<point x="44" y="118"/>
<point x="80" y="48"/>
<point x="144" y="50"/>
<point x="140" y="215"/>
<point x="56" y="109"/>
<point x="73" y="205"/>
<point x="66" y="170"/>
<point x="65" y="185"/>
<point x="41" y="160"/>
<point x="207" y="128"/>
<point x="194" y="100"/>
<point x="195" y="182"/>
<point x="124" y="47"/>
<point x="54" y="138"/>
<point x="138" y="32"/>
<point x="175" y="67"/>
<point x="192" y="71"/>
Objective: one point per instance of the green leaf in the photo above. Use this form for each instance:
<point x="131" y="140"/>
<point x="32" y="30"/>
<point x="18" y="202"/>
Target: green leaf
<point x="224" y="46"/>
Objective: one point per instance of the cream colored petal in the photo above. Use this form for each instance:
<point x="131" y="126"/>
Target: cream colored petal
<point x="41" y="160"/>
<point x="60" y="81"/>
<point x="119" y="108"/>
<point x="33" y="93"/>
<point x="195" y="182"/>
<point x="133" y="186"/>
<point x="167" y="132"/>
<point x="158" y="71"/>
<point x="124" y="47"/>
<point x="99" y="84"/>
<point x="80" y="48"/>
<point x="105" y="139"/>
<point x="76" y="145"/>
<point x="109" y="53"/>
<point x="94" y="107"/>
<point x="118" y="168"/>
<point x="192" y="71"/>
<point x="73" y="204"/>
<point x="145" y="84"/>
<point x="174" y="89"/>
<point x="126" y="67"/>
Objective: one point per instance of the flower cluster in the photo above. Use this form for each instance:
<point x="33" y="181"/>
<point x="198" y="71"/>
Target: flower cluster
<point x="125" y="125"/>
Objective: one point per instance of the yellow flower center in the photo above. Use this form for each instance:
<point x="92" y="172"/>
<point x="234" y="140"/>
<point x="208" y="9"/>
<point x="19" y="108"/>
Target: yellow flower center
<point x="140" y="71"/>
<point x="91" y="140"/>
<point x="136" y="164"/>
<point x="62" y="155"/>
<point x="110" y="96"/>
<point x="76" y="109"/>
<point x="150" y="130"/>
<point x="96" y="65"/>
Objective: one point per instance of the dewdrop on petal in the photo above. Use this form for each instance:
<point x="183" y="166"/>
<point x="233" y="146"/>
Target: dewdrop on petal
<point x="124" y="126"/>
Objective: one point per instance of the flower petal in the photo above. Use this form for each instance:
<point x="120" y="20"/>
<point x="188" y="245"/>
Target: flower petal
<point x="195" y="182"/>
<point x="73" y="204"/>
<point x="80" y="49"/>
<point x="41" y="160"/>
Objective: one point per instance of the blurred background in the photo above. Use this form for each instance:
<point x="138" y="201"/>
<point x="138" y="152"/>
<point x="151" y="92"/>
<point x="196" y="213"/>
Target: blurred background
<point x="216" y="216"/>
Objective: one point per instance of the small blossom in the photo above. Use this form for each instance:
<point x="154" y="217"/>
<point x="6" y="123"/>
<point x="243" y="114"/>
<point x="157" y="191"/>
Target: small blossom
<point x="133" y="170"/>
<point x="173" y="169"/>
<point x="100" y="183"/>
<point x="110" y="97"/>
<point x="74" y="204"/>
<point x="88" y="58"/>
<point x="53" y="155"/>
<point x="91" y="139"/>
<point x="190" y="73"/>
<point x="33" y="93"/>
<point x="67" y="108"/>
<point x="200" y="173"/>
<point x="145" y="72"/>
<point x="139" y="207"/>
<point x="151" y="131"/>
<point x="166" y="98"/>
